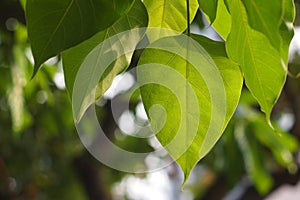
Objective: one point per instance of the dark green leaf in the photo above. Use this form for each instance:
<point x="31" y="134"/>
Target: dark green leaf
<point x="210" y="8"/>
<point x="56" y="25"/>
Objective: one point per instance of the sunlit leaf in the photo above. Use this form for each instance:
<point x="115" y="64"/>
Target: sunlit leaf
<point x="169" y="14"/>
<point x="222" y="23"/>
<point x="101" y="58"/>
<point x="222" y="18"/>
<point x="74" y="57"/>
<point x="196" y="95"/>
<point x="260" y="62"/>
<point x="265" y="16"/>
<point x="55" y="25"/>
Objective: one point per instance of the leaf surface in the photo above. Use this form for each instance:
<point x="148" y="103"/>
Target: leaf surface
<point x="210" y="8"/>
<point x="74" y="57"/>
<point x="260" y="62"/>
<point x="92" y="52"/>
<point x="169" y="14"/>
<point x="196" y="94"/>
<point x="56" y="25"/>
<point x="265" y="16"/>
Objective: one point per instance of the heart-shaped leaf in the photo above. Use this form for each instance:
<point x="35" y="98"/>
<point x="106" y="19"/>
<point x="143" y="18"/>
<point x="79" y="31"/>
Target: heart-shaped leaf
<point x="192" y="94"/>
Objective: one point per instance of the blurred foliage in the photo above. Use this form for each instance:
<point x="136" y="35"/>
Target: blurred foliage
<point x="38" y="139"/>
<point x="39" y="143"/>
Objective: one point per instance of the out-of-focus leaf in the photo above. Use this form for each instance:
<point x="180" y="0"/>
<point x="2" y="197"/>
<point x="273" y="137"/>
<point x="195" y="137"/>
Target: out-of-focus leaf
<point x="253" y="156"/>
<point x="191" y="81"/>
<point x="281" y="144"/>
<point x="286" y="28"/>
<point x="232" y="155"/>
<point x="246" y="98"/>
<point x="23" y="3"/>
<point x="19" y="115"/>
<point x="55" y="25"/>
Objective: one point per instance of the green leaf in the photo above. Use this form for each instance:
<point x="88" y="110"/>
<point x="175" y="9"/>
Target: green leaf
<point x="274" y="19"/>
<point x="210" y="8"/>
<point x="281" y="144"/>
<point x="91" y="66"/>
<point x="56" y="25"/>
<point x="189" y="96"/>
<point x="74" y="57"/>
<point x="286" y="29"/>
<point x="222" y="22"/>
<point x="260" y="62"/>
<point x="169" y="14"/>
<point x="253" y="156"/>
<point x="265" y="16"/>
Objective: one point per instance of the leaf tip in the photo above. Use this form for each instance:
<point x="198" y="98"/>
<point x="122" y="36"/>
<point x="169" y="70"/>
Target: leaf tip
<point x="186" y="175"/>
<point x="35" y="70"/>
<point x="269" y="121"/>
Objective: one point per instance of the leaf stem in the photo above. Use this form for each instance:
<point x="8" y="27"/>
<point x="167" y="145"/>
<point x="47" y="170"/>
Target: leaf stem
<point x="188" y="17"/>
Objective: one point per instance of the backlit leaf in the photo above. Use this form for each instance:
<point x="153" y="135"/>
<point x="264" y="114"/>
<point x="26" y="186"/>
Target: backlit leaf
<point x="196" y="94"/>
<point x="74" y="57"/>
<point x="260" y="62"/>
<point x="169" y="14"/>
<point x="265" y="16"/>
<point x="91" y="66"/>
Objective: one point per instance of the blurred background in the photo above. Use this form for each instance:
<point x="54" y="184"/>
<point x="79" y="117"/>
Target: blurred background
<point x="41" y="156"/>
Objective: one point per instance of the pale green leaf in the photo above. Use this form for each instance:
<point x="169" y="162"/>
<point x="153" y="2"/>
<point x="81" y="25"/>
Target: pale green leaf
<point x="56" y="25"/>
<point x="74" y="57"/>
<point x="197" y="94"/>
<point x="222" y="22"/>
<point x="102" y="57"/>
<point x="260" y="62"/>
<point x="169" y="14"/>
